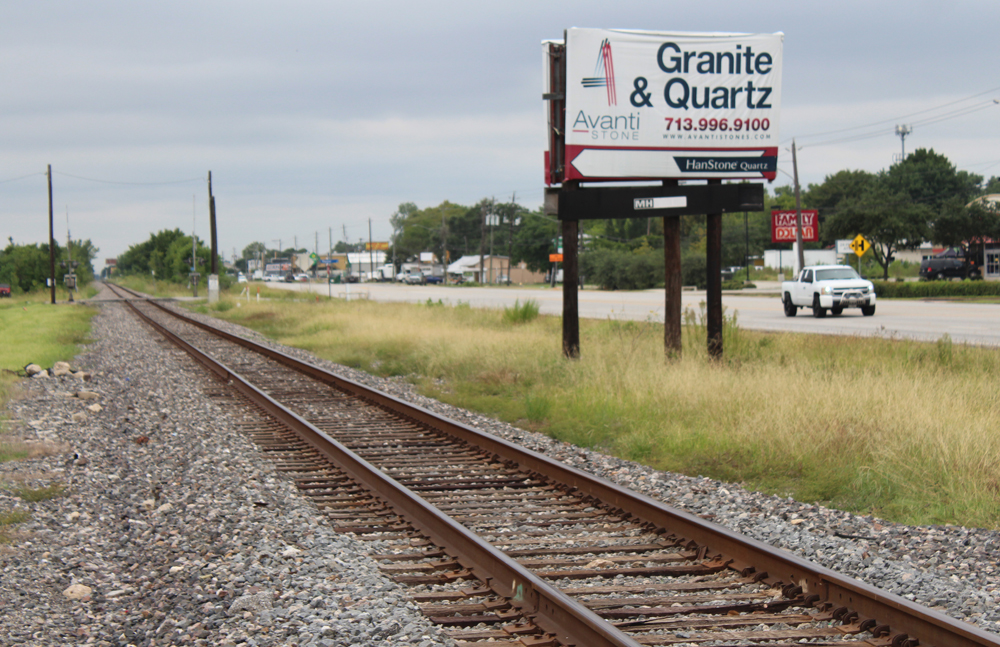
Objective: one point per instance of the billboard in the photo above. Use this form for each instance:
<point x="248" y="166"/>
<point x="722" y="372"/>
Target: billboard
<point x="377" y="246"/>
<point x="644" y="105"/>
<point x="783" y="226"/>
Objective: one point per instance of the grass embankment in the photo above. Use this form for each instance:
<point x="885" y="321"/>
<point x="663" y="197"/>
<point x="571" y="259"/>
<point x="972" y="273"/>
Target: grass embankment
<point x="904" y="430"/>
<point x="34" y="331"/>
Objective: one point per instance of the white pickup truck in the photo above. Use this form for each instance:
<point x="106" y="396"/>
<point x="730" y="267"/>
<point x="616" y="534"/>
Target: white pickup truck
<point x="828" y="287"/>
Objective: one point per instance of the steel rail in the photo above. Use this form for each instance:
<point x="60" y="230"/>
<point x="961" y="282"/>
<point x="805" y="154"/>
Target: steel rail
<point x="897" y="621"/>
<point x="548" y="608"/>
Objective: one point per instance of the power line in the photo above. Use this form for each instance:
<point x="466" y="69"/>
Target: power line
<point x="21" y="178"/>
<point x="930" y="120"/>
<point x="894" y="119"/>
<point x="90" y="179"/>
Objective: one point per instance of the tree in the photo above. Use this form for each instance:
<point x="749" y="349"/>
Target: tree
<point x="929" y="179"/>
<point x="992" y="187"/>
<point x="888" y="219"/>
<point x="27" y="267"/>
<point x="166" y="255"/>
<point x="967" y="227"/>
<point x="534" y="240"/>
<point x="150" y="256"/>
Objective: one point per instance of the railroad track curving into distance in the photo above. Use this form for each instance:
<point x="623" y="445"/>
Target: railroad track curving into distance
<point x="503" y="545"/>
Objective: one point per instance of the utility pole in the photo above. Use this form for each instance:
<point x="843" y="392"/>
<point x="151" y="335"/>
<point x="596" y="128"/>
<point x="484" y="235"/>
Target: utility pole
<point x="52" y="240"/>
<point x="211" y="219"/>
<point x="444" y="247"/>
<point x="71" y="280"/>
<point x="329" y="266"/>
<point x="482" y="240"/>
<point x="348" y="252"/>
<point x="213" y="273"/>
<point x="510" y="232"/>
<point x="493" y="221"/>
<point x="903" y="131"/>
<point x="798" y="210"/>
<point x="371" y="250"/>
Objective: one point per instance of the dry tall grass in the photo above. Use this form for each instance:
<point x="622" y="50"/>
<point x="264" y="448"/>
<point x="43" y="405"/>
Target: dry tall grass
<point x="902" y="429"/>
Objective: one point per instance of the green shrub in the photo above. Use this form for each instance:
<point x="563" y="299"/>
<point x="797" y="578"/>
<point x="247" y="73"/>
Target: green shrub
<point x="925" y="289"/>
<point x="614" y="269"/>
<point x="694" y="270"/>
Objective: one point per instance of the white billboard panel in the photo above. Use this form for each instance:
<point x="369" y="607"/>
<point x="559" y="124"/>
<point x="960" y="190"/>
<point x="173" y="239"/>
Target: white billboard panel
<point x="671" y="105"/>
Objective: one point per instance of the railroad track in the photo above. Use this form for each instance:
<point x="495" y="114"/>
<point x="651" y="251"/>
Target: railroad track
<point x="502" y="545"/>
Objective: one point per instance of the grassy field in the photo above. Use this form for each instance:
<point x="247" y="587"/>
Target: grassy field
<point x="903" y="430"/>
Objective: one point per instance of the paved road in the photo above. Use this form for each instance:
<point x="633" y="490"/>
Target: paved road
<point x="758" y="310"/>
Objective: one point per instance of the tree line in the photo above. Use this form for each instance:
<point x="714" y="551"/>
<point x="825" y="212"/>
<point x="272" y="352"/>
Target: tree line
<point x="26" y="268"/>
<point x="922" y="198"/>
<point x="166" y="256"/>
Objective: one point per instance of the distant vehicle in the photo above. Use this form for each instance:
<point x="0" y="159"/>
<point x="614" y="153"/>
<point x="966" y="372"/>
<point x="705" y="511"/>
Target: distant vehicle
<point x="302" y="277"/>
<point x="4" y="290"/>
<point x="241" y="278"/>
<point x="384" y="273"/>
<point x="948" y="267"/>
<point x="289" y="278"/>
<point x="258" y="275"/>
<point x="828" y="287"/>
<point x="414" y="278"/>
<point x="430" y="278"/>
<point x="351" y="278"/>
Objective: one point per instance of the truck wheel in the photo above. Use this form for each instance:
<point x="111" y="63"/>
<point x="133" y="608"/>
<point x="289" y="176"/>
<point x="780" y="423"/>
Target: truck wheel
<point x="836" y="311"/>
<point x="867" y="310"/>
<point x="818" y="312"/>
<point x="790" y="308"/>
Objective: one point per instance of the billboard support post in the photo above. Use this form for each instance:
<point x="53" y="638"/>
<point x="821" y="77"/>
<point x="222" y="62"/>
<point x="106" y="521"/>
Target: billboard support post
<point x="672" y="282"/>
<point x="713" y="266"/>
<point x="571" y="275"/>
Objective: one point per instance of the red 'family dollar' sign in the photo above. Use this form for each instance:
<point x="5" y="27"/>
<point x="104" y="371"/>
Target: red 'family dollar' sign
<point x="783" y="226"/>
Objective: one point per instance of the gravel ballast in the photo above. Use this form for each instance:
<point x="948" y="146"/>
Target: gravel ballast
<point x="173" y="530"/>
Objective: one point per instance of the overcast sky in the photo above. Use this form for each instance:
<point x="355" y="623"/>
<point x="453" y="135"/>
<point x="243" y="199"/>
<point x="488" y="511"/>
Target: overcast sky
<point x="320" y="115"/>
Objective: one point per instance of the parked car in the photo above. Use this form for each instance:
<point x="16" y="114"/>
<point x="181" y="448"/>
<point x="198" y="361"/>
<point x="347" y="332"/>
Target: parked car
<point x="429" y="278"/>
<point x="4" y="290"/>
<point x="301" y="277"/>
<point x="241" y="278"/>
<point x="948" y="267"/>
<point x="414" y="278"/>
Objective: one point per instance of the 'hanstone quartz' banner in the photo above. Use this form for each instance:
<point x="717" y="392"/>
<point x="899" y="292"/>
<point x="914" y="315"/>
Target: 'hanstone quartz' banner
<point x="671" y="105"/>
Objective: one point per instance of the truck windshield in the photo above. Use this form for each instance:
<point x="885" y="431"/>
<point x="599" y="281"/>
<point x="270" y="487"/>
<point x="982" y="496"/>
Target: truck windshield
<point x="836" y="273"/>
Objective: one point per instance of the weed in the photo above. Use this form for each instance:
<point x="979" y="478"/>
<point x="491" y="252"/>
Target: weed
<point x="521" y="313"/>
<point x="34" y="495"/>
<point x="537" y="407"/>
<point x="8" y="519"/>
